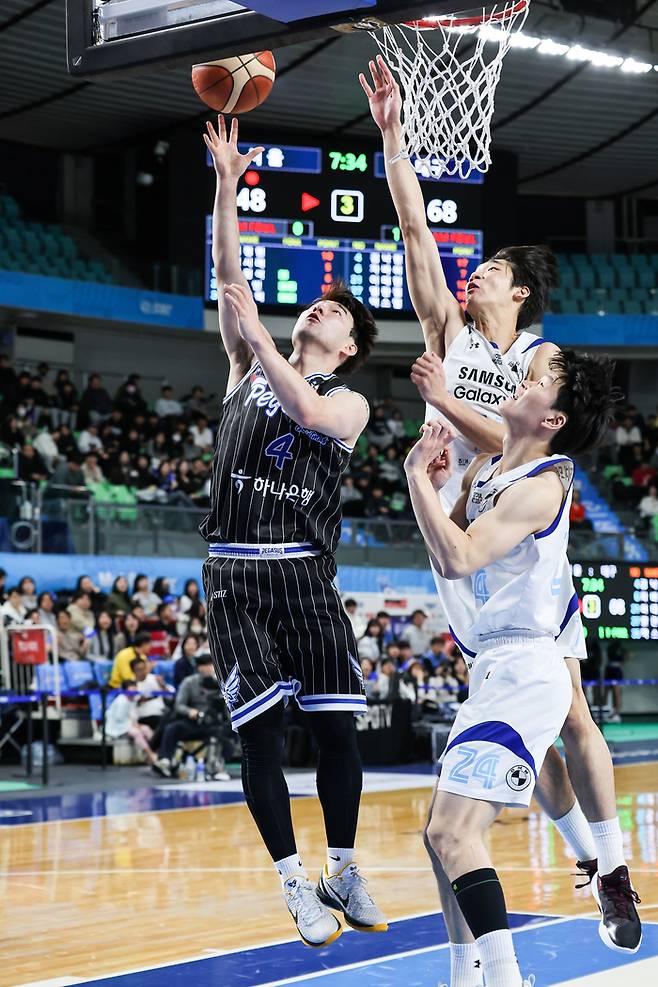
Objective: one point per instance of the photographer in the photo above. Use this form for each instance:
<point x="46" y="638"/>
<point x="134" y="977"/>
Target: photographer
<point x="199" y="713"/>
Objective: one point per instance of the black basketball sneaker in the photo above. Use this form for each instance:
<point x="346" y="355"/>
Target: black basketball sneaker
<point x="620" y="927"/>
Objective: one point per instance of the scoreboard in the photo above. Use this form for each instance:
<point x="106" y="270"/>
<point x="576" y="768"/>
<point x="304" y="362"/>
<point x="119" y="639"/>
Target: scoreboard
<point x="308" y="215"/>
<point x="618" y="601"/>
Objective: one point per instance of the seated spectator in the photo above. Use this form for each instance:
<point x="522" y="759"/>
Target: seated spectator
<point x="65" y="408"/>
<point x="185" y="655"/>
<point x="11" y="433"/>
<point x="46" y="607"/>
<point x="359" y="624"/>
<point x="91" y="471"/>
<point x="435" y="655"/>
<point x="202" y="437"/>
<point x="384" y="621"/>
<point x="101" y="644"/>
<point x="460" y="673"/>
<point x="71" y="644"/>
<point x="416" y="634"/>
<point x="121" y="471"/>
<point x="45" y="444"/>
<point x="13" y="611"/>
<point x="370" y="644"/>
<point x="578" y="513"/>
<point x="196" y="402"/>
<point x="395" y="424"/>
<point x="191" y="594"/>
<point x="131" y="627"/>
<point x="443" y="684"/>
<point x="643" y="475"/>
<point x="150" y="708"/>
<point x="85" y="584"/>
<point x="388" y="679"/>
<point x="66" y="443"/>
<point x="80" y="612"/>
<point x="378" y="504"/>
<point x="66" y="474"/>
<point x="123" y="658"/>
<point x="377" y="430"/>
<point x="158" y="451"/>
<point x="393" y="650"/>
<point x="193" y="701"/>
<point x="391" y="470"/>
<point x="95" y="403"/>
<point x="166" y="406"/>
<point x="144" y="596"/>
<point x="648" y="506"/>
<point x="31" y="466"/>
<point x="89" y="440"/>
<point x="627" y="433"/>
<point x="121" y="721"/>
<point x="28" y="590"/>
<point x="129" y="399"/>
<point x="166" y="619"/>
<point x="351" y="498"/>
<point x="414" y="681"/>
<point x="118" y="602"/>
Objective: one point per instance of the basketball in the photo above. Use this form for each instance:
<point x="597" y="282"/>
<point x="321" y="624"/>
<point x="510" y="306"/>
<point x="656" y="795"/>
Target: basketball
<point x="235" y="85"/>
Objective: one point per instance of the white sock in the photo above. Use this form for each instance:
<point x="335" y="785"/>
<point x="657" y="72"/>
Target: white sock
<point x="609" y="844"/>
<point x="576" y="831"/>
<point x="289" y="867"/>
<point x="465" y="965"/>
<point x="337" y="858"/>
<point x="499" y="963"/>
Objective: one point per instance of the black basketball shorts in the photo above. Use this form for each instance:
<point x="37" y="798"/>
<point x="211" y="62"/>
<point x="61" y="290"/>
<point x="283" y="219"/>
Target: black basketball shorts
<point x="277" y="628"/>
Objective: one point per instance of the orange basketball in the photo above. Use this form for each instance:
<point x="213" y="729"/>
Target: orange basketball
<point x="237" y="84"/>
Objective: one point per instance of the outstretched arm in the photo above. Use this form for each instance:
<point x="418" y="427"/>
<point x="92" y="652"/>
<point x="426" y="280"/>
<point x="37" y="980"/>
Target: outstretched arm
<point x="230" y="165"/>
<point x="429" y="377"/>
<point x="439" y="313"/>
<point x="524" y="508"/>
<point x="343" y="415"/>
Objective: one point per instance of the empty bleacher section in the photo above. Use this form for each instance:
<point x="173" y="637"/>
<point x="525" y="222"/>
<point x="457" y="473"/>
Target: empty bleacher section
<point x="606" y="284"/>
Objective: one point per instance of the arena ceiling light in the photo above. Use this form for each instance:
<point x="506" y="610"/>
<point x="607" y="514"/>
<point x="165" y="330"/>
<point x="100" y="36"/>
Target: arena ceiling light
<point x="574" y="53"/>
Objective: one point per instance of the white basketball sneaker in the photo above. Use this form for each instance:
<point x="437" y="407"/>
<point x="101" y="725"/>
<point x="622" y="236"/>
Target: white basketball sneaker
<point x="315" y="923"/>
<point x="346" y="891"/>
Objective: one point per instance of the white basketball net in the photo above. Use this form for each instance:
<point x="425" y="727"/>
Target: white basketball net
<point x="449" y="70"/>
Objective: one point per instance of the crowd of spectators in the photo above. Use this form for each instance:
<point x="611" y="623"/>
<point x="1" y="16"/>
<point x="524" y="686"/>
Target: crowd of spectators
<point x="404" y="660"/>
<point x="630" y="460"/>
<point x="56" y="434"/>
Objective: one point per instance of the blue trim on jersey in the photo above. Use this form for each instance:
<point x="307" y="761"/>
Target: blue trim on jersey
<point x="496" y="732"/>
<point x="260" y="551"/>
<point x="266" y="699"/>
<point x="462" y="647"/>
<point x="494" y="459"/>
<point x="572" y="608"/>
<point x="494" y="346"/>
<point x="334" y="390"/>
<point x="535" y="342"/>
<point x="240" y="383"/>
<point x="344" y="445"/>
<point x="546" y="464"/>
<point x="318" y="699"/>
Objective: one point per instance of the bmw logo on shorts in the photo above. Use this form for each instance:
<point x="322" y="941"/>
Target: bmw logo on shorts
<point x="518" y="777"/>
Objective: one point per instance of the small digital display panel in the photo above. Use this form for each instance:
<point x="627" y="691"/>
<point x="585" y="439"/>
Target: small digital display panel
<point x="308" y="215"/>
<point x="618" y="601"/>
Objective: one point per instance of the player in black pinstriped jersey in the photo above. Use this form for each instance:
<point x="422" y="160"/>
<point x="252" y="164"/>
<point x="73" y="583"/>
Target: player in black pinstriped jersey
<point x="276" y="624"/>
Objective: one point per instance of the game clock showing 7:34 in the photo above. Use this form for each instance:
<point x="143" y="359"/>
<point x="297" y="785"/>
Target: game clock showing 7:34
<point x="618" y="601"/>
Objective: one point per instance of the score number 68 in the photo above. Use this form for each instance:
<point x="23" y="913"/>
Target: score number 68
<point x="442" y="211"/>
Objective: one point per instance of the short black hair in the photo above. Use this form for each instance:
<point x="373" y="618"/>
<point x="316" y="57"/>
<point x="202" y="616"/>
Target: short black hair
<point x="142" y="637"/>
<point x="588" y="398"/>
<point x="135" y="662"/>
<point x="350" y="602"/>
<point x="536" y="267"/>
<point x="203" y="659"/>
<point x="364" y="331"/>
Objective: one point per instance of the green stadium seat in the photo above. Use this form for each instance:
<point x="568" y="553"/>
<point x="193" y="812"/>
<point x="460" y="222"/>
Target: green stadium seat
<point x="646" y="278"/>
<point x="587" y="277"/>
<point x="626" y="277"/>
<point x="571" y="306"/>
<point x="613" y="307"/>
<point x="592" y="307"/>
<point x="639" y="261"/>
<point x="619" y="294"/>
<point x="633" y="307"/>
<point x="610" y="471"/>
<point x="606" y="276"/>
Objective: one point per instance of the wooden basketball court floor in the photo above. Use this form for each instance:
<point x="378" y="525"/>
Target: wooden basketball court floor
<point x="169" y="884"/>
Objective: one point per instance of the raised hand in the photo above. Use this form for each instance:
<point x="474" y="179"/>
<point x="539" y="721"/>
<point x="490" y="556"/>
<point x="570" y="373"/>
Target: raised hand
<point x="242" y="302"/>
<point x="229" y="163"/>
<point x="385" y="99"/>
<point x="429" y="377"/>
<point x="431" y="455"/>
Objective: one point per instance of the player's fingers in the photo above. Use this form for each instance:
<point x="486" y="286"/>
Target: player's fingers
<point x="375" y="76"/>
<point x="211" y="130"/>
<point x="384" y="69"/>
<point x="234" y="131"/>
<point x="221" y="124"/>
<point x="255" y="151"/>
<point x="364" y="85"/>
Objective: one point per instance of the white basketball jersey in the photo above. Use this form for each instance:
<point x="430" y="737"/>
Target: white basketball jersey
<point x="480" y="374"/>
<point x="521" y="591"/>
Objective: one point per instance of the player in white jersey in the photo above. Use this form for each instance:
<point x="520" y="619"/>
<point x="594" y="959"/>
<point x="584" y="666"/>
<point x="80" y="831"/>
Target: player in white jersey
<point x="471" y="365"/>
<point x="508" y="534"/>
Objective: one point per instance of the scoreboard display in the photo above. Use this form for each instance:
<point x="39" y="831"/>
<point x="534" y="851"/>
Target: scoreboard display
<point x="618" y="601"/>
<point x="308" y="215"/>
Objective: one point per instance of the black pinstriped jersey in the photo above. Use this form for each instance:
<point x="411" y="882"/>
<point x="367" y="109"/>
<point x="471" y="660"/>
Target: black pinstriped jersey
<point x="273" y="481"/>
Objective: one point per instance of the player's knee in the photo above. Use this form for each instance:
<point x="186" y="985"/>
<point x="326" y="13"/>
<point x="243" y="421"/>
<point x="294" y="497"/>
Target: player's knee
<point x="441" y="839"/>
<point x="334" y="733"/>
<point x="579" y="719"/>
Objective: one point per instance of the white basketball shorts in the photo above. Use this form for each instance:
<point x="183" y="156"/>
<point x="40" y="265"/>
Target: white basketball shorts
<point x="520" y="695"/>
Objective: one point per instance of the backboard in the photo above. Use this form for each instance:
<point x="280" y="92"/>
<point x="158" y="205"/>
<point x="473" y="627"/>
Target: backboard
<point x="108" y="37"/>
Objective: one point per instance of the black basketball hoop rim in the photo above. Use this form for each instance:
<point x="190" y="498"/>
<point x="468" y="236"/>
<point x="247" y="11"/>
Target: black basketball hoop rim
<point x="480" y="20"/>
